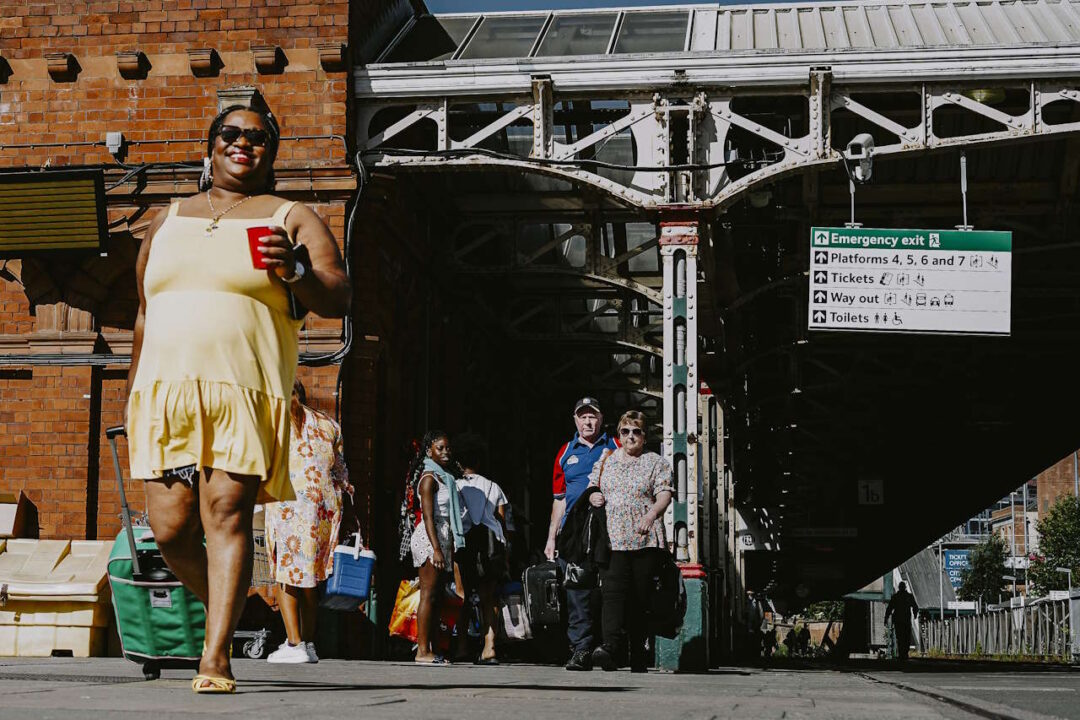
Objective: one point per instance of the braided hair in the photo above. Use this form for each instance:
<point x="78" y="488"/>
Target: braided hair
<point x="416" y="466"/>
<point x="273" y="139"/>
<point x="410" y="503"/>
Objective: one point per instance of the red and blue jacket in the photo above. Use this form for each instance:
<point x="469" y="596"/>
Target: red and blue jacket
<point x="573" y="463"/>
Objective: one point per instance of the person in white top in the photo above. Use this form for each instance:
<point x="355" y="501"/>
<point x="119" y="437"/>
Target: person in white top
<point x="485" y="504"/>
<point x="485" y="558"/>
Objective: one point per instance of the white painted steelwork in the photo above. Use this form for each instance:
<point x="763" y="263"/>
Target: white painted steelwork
<point x="828" y="57"/>
<point x="704" y="183"/>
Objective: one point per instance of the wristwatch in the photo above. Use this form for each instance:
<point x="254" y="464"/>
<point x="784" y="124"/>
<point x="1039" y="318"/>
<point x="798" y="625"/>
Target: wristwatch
<point x="298" y="272"/>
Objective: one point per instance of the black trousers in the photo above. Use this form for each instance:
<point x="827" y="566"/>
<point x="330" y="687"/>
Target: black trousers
<point x="627" y="586"/>
<point x="903" y="637"/>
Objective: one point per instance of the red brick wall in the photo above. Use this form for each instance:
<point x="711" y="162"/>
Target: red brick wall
<point x="52" y="419"/>
<point x="1054" y="482"/>
<point x="43" y="444"/>
<point x="170" y="101"/>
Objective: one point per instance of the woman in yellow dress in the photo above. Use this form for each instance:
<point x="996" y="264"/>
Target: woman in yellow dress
<point x="212" y="367"/>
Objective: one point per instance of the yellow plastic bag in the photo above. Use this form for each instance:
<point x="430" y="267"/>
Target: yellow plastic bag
<point x="403" y="619"/>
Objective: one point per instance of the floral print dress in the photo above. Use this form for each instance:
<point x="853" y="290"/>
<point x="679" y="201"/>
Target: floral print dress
<point x="301" y="534"/>
<point x="630" y="486"/>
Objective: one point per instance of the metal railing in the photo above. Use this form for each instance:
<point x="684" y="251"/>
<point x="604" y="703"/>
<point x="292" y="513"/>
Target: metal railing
<point x="1040" y="630"/>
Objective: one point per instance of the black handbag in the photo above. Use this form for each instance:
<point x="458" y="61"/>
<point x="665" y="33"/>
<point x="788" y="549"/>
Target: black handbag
<point x="585" y="576"/>
<point x="666" y="606"/>
<point x="580" y="577"/>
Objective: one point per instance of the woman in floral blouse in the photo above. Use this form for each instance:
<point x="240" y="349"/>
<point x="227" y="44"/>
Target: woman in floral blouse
<point x="636" y="488"/>
<point x="301" y="535"/>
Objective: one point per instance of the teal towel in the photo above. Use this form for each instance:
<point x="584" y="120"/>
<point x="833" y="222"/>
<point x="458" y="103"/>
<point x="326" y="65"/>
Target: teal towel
<point x="430" y="466"/>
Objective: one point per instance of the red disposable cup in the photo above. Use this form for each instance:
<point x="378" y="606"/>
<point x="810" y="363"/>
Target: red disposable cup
<point x="255" y="236"/>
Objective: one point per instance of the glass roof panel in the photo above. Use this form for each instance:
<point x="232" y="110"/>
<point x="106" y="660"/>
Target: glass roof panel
<point x="431" y="38"/>
<point x="649" y="32"/>
<point x="504" y="36"/>
<point x="578" y="35"/>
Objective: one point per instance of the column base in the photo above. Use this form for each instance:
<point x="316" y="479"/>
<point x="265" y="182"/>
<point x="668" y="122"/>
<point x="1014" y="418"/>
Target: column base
<point x="689" y="651"/>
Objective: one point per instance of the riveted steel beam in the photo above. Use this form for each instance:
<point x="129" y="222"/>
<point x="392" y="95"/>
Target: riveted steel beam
<point x="694" y="170"/>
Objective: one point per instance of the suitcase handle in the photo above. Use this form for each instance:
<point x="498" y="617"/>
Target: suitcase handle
<point x="552" y="589"/>
<point x="125" y="511"/>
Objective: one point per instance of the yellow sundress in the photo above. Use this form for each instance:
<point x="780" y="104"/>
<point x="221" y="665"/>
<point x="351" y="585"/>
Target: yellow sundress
<point x="218" y="358"/>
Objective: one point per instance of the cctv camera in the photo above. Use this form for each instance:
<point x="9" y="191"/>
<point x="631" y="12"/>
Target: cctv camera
<point x="861" y="149"/>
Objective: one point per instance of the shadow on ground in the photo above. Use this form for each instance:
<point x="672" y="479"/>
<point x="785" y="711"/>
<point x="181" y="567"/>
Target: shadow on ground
<point x="917" y="665"/>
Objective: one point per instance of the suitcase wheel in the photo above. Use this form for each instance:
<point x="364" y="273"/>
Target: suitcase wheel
<point x="151" y="670"/>
<point x="255" y="648"/>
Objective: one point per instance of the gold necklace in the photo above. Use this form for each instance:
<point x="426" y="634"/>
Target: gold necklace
<point x="218" y="215"/>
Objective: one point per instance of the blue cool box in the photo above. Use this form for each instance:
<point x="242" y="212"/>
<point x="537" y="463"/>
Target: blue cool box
<point x="350" y="584"/>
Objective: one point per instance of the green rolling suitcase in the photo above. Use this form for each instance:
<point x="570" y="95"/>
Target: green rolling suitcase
<point x="160" y="623"/>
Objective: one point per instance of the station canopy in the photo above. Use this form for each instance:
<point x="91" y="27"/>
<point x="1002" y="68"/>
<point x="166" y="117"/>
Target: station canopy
<point x="825" y="27"/>
<point x="560" y="267"/>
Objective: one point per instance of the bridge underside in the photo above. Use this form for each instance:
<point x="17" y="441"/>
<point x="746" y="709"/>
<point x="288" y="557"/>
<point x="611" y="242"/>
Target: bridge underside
<point x="545" y="220"/>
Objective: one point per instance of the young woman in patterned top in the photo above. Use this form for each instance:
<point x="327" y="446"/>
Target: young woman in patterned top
<point x="636" y="487"/>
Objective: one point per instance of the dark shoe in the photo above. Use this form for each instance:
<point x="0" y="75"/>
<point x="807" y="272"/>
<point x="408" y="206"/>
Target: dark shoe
<point x="603" y="657"/>
<point x="638" y="662"/>
<point x="580" y="660"/>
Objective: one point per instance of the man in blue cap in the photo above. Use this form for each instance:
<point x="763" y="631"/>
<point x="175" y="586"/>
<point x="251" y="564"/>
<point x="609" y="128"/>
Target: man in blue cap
<point x="573" y="464"/>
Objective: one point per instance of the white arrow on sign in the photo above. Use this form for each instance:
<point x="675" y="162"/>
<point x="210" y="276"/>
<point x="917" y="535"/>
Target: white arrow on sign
<point x="820" y="296"/>
<point x="821" y="277"/>
<point x="821" y="257"/>
<point x="819" y="316"/>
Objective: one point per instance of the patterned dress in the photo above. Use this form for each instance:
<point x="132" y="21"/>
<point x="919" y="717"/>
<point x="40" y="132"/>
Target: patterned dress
<point x="630" y="486"/>
<point x="301" y="535"/>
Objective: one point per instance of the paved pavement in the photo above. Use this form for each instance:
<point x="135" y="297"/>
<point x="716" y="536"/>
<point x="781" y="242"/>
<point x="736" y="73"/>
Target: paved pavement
<point x="1029" y="692"/>
<point x="72" y="688"/>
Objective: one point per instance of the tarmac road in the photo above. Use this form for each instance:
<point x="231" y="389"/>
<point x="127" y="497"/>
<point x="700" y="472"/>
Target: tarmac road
<point x="110" y="687"/>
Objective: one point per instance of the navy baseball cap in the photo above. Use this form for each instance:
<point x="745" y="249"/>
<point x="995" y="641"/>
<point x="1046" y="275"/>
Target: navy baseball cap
<point x="587" y="402"/>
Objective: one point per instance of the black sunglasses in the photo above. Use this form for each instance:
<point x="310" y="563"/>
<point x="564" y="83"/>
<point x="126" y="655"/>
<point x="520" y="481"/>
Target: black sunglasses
<point x="627" y="431"/>
<point x="255" y="136"/>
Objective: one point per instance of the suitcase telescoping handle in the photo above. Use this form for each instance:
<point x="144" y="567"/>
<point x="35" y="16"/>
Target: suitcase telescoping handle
<point x="125" y="512"/>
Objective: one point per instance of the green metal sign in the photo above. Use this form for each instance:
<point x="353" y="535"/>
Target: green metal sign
<point x="915" y="281"/>
<point x="934" y="240"/>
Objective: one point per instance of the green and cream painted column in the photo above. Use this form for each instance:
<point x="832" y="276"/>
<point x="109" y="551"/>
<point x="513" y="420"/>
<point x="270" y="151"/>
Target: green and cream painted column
<point x="679" y="252"/>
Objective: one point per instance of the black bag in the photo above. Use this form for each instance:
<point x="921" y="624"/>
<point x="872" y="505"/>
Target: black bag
<point x="583" y="543"/>
<point x="483" y="556"/>
<point x="541" y="583"/>
<point x="581" y="577"/>
<point x="667" y="606"/>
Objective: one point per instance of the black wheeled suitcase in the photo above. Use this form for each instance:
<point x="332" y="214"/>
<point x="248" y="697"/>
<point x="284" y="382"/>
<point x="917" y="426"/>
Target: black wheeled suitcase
<point x="541" y="583"/>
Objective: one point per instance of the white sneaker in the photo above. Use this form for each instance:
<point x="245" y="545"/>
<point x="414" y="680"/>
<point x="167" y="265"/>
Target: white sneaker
<point x="312" y="657"/>
<point x="290" y="654"/>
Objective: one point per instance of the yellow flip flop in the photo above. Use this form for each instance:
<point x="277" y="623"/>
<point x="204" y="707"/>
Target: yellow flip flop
<point x="216" y="686"/>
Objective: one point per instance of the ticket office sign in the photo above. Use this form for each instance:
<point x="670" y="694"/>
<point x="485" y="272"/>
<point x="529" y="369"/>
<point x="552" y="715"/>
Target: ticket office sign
<point x="911" y="281"/>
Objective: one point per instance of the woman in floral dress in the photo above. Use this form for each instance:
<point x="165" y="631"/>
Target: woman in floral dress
<point x="301" y="535"/>
<point x="636" y="487"/>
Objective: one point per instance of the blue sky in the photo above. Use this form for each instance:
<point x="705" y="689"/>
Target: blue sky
<point x="502" y="5"/>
